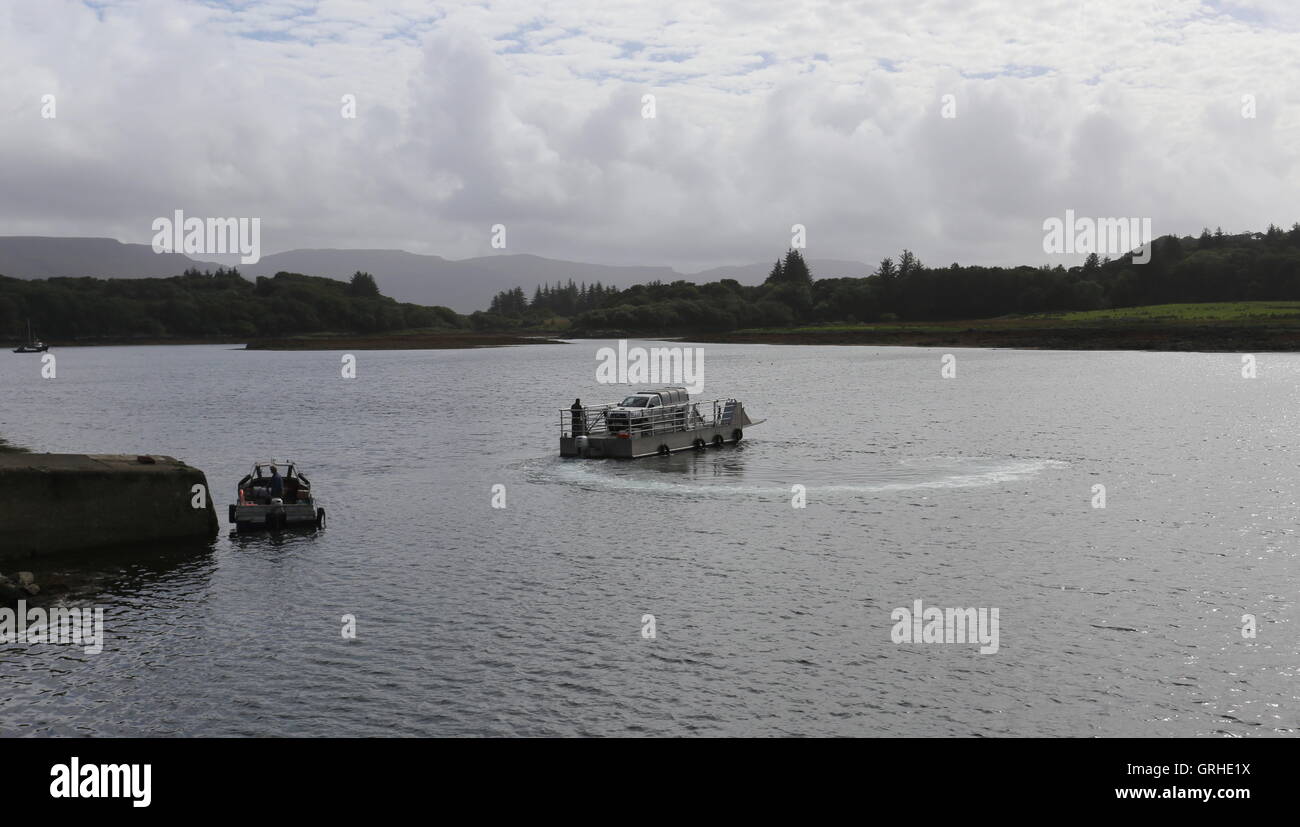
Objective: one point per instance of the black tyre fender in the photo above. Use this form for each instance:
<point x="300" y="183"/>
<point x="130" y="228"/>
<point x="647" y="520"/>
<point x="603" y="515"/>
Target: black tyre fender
<point x="663" y="451"/>
<point x="737" y="435"/>
<point x="718" y="441"/>
<point x="320" y="518"/>
<point x="232" y="513"/>
<point x="699" y="444"/>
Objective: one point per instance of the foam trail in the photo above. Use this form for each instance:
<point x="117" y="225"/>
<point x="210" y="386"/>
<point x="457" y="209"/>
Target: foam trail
<point x="934" y="473"/>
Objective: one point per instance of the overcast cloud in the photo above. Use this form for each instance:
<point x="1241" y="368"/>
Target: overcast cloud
<point x="529" y="114"/>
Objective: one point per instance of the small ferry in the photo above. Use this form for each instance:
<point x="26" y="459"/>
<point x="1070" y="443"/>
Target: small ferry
<point x="274" y="496"/>
<point x="32" y="345"/>
<point x="654" y="421"/>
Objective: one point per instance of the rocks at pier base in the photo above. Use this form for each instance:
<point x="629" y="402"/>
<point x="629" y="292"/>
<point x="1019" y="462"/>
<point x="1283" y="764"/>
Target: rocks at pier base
<point x="27" y="582"/>
<point x="52" y="503"/>
<point x="10" y="592"/>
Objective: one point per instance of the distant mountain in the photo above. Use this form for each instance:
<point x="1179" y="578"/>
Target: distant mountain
<point x="43" y="257"/>
<point x="465" y="285"/>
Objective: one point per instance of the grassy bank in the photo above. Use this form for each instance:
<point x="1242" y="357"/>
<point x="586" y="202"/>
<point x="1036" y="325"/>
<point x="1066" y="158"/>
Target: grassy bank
<point x="1216" y="326"/>
<point x="1225" y="326"/>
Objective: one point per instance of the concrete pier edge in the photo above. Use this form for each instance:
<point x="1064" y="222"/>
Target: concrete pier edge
<point x="52" y="503"/>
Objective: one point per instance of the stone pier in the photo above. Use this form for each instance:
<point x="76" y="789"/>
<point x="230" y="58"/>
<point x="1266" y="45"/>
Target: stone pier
<point x="51" y="503"/>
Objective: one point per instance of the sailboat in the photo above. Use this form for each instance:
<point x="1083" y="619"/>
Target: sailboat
<point x="32" y="345"/>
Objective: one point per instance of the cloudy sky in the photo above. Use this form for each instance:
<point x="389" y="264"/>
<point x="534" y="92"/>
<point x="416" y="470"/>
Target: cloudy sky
<point x="767" y="114"/>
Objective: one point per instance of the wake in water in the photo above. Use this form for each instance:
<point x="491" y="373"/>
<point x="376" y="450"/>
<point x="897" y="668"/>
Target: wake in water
<point x="730" y="473"/>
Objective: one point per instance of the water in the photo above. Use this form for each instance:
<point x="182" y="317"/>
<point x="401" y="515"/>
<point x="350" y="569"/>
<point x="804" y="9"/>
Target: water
<point x="974" y="491"/>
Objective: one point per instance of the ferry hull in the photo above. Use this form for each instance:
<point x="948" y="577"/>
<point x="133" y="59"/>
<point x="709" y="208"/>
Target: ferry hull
<point x="647" y="445"/>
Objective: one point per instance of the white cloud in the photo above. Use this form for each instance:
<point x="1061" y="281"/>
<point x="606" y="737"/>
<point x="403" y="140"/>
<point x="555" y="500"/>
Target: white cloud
<point x="769" y="114"/>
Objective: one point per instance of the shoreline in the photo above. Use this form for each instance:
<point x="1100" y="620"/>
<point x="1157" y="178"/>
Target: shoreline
<point x="141" y="342"/>
<point x="1168" y="335"/>
<point x="400" y="341"/>
<point x="1206" y="338"/>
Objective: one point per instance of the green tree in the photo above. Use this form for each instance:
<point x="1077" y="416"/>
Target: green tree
<point x="777" y="275"/>
<point x="363" y="284"/>
<point x="908" y="264"/>
<point x="795" y="269"/>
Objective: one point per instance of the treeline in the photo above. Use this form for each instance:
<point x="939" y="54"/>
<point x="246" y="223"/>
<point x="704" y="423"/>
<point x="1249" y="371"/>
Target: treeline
<point x="200" y="305"/>
<point x="511" y="308"/>
<point x="195" y="305"/>
<point x="1213" y="267"/>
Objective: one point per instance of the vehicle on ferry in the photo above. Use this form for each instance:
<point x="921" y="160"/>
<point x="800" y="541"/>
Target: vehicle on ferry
<point x="649" y="422"/>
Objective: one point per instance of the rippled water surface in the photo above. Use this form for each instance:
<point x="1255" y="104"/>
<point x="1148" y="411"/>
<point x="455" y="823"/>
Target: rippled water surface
<point x="974" y="491"/>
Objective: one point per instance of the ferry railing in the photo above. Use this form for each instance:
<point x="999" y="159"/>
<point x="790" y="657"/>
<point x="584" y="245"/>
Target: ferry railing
<point x="594" y="420"/>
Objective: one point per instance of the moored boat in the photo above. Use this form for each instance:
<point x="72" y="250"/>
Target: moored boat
<point x="32" y="345"/>
<point x="275" y="500"/>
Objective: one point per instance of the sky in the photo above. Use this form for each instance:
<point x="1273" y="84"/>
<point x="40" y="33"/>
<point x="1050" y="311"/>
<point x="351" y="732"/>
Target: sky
<point x="532" y="115"/>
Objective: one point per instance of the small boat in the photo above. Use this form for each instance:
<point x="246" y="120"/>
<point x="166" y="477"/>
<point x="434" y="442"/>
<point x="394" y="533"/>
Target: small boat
<point x="654" y="421"/>
<point x="260" y="507"/>
<point x="32" y="345"/>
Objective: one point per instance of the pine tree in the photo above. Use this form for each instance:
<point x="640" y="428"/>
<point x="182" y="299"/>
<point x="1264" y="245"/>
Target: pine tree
<point x="777" y="275"/>
<point x="888" y="275"/>
<point x="908" y="264"/>
<point x="796" y="269"/>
